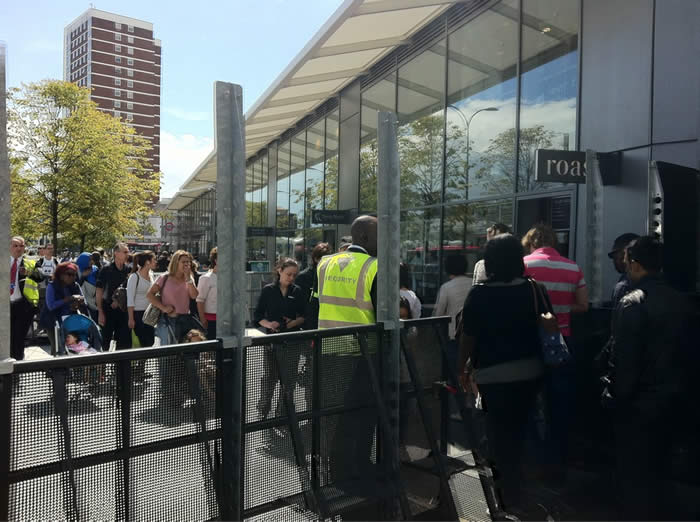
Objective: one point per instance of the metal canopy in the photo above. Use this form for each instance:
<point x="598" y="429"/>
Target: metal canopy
<point x="357" y="36"/>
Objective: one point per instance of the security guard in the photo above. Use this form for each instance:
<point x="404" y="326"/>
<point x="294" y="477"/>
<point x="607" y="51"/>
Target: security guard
<point x="347" y="297"/>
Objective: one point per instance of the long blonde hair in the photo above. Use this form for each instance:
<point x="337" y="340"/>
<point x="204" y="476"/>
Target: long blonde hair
<point x="175" y="260"/>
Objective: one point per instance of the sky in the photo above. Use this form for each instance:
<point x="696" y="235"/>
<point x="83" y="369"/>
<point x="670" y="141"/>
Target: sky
<point x="247" y="42"/>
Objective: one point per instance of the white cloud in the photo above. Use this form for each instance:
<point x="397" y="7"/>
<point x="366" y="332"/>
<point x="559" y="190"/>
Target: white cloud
<point x="180" y="154"/>
<point x="182" y="114"/>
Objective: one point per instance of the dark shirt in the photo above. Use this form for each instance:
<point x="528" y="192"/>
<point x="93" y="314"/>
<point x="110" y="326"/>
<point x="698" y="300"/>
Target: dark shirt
<point x="307" y="280"/>
<point x="622" y="288"/>
<point x="653" y="349"/>
<point x="110" y="278"/>
<point x="273" y="306"/>
<point x="502" y="319"/>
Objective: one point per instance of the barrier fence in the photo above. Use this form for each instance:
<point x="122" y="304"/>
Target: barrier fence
<point x="148" y="433"/>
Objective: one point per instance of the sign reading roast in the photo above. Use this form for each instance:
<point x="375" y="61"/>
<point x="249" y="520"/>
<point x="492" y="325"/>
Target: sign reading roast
<point x="561" y="166"/>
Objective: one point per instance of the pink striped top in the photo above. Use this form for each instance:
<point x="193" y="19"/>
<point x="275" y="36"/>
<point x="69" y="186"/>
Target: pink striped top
<point x="561" y="276"/>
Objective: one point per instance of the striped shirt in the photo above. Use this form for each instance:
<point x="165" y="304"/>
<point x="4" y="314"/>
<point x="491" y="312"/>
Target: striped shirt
<point x="561" y="276"/>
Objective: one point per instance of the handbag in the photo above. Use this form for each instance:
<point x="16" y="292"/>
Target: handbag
<point x="555" y="352"/>
<point x="152" y="314"/>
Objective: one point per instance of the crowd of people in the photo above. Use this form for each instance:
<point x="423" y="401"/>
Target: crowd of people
<point x="520" y="294"/>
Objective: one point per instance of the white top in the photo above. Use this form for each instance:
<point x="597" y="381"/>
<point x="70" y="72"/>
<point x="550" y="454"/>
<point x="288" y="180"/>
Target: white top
<point x="451" y="298"/>
<point x="16" y="294"/>
<point x="416" y="306"/>
<point x="207" y="292"/>
<point x="136" y="294"/>
<point x="48" y="267"/>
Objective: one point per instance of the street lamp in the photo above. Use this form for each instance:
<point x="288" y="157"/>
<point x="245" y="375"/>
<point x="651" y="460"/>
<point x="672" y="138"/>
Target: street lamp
<point x="467" y="123"/>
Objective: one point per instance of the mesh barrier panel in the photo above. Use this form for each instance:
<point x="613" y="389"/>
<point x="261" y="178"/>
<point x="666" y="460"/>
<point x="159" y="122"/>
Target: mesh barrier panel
<point x="173" y="485"/>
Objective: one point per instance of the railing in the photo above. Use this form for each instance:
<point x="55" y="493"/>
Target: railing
<point x="146" y="433"/>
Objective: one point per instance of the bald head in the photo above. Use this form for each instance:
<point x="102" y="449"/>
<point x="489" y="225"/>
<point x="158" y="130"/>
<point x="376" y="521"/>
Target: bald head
<point x="364" y="233"/>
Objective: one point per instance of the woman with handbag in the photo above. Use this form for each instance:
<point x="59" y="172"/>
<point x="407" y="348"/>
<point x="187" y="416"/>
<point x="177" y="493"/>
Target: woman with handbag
<point x="171" y="294"/>
<point x="137" y="287"/>
<point x="501" y="341"/>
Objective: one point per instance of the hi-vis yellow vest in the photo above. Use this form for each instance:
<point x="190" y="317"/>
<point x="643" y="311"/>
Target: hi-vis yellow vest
<point x="344" y="284"/>
<point x="31" y="287"/>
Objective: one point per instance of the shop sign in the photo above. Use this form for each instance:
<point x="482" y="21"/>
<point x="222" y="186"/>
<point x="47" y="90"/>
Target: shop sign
<point x="260" y="231"/>
<point x="332" y="217"/>
<point x="560" y="166"/>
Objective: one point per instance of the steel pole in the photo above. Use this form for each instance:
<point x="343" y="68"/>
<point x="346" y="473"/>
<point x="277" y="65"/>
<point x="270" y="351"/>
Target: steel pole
<point x="6" y="361"/>
<point x="231" y="285"/>
<point x="388" y="253"/>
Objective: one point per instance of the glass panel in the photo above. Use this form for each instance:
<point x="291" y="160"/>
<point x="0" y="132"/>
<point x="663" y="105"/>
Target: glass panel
<point x="283" y="239"/>
<point x="249" y="201"/>
<point x="315" y="154"/>
<point x="263" y="192"/>
<point x="549" y="83"/>
<point x="420" y="239"/>
<point x="332" y="134"/>
<point x="481" y="105"/>
<point x="465" y="227"/>
<point x="297" y="186"/>
<point x="379" y="97"/>
<point x="421" y="116"/>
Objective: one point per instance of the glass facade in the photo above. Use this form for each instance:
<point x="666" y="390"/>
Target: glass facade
<point x="474" y="104"/>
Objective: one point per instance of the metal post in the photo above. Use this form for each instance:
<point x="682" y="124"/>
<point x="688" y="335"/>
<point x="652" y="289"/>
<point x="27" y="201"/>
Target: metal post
<point x="6" y="362"/>
<point x="594" y="231"/>
<point x="231" y="287"/>
<point x="389" y="234"/>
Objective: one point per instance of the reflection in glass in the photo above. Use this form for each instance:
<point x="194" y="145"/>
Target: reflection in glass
<point x="315" y="166"/>
<point x="297" y="186"/>
<point x="421" y="131"/>
<point x="379" y="97"/>
<point x="249" y="195"/>
<point x="420" y="239"/>
<point x="264" y="180"/>
<point x="331" y="181"/>
<point x="481" y="77"/>
<point x="465" y="226"/>
<point x="549" y="83"/>
<point x="283" y="240"/>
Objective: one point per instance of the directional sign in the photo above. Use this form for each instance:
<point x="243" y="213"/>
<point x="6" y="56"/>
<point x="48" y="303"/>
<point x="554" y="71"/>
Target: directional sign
<point x="332" y="217"/>
<point x="260" y="231"/>
<point x="169" y="226"/>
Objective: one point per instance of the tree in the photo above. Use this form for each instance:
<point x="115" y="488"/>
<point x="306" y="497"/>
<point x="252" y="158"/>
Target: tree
<point x="82" y="172"/>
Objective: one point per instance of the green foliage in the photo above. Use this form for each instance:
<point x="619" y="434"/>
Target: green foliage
<point x="79" y="173"/>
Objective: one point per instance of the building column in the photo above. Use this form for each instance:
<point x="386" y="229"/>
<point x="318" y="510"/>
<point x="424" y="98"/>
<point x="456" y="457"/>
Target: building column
<point x="349" y="152"/>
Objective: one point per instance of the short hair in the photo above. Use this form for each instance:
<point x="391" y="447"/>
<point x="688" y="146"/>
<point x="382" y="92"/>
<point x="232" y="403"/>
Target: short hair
<point x="540" y="236"/>
<point x="19" y="239"/>
<point x="62" y="268"/>
<point x="405" y="275"/>
<point x="456" y="264"/>
<point x="172" y="267"/>
<point x="648" y="252"/>
<point x="497" y="228"/>
<point x="503" y="258"/>
<point x="320" y="250"/>
<point x="118" y="246"/>
<point x="213" y="256"/>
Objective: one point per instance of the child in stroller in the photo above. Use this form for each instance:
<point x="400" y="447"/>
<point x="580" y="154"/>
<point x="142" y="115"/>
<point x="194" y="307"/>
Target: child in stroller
<point x="75" y="346"/>
<point x="79" y="334"/>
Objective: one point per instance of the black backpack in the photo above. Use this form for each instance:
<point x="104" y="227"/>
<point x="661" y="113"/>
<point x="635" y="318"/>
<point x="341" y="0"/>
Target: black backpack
<point x="119" y="297"/>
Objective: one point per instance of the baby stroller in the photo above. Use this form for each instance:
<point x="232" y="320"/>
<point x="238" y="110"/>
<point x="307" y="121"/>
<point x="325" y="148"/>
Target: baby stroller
<point x="86" y="330"/>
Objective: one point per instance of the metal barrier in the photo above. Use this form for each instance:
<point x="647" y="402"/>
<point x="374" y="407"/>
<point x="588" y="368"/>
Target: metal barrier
<point x="146" y="433"/>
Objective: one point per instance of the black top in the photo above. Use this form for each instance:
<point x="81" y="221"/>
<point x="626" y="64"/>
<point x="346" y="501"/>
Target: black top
<point x="109" y="278"/>
<point x="307" y="280"/>
<point x="273" y="306"/>
<point x="502" y="319"/>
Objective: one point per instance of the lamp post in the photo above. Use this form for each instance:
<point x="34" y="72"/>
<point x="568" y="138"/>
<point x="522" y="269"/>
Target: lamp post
<point x="467" y="123"/>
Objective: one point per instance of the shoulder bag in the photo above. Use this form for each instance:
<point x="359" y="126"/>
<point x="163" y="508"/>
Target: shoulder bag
<point x="152" y="314"/>
<point x="555" y="352"/>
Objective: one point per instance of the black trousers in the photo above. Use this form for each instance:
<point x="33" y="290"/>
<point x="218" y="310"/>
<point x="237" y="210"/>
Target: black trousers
<point x="21" y="316"/>
<point x="116" y="327"/>
<point x="508" y="406"/>
<point x="145" y="333"/>
<point x="289" y="357"/>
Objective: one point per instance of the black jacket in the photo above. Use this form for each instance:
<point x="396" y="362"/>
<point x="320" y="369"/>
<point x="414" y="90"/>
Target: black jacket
<point x="652" y="351"/>
<point x="307" y="280"/>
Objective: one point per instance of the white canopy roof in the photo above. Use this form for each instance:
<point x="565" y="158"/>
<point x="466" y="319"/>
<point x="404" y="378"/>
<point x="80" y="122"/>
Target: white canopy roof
<point x="357" y="36"/>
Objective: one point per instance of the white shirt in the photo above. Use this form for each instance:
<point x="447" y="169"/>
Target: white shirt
<point x="136" y="293"/>
<point x="16" y="294"/>
<point x="207" y="292"/>
<point x="451" y="299"/>
<point x="48" y="267"/>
